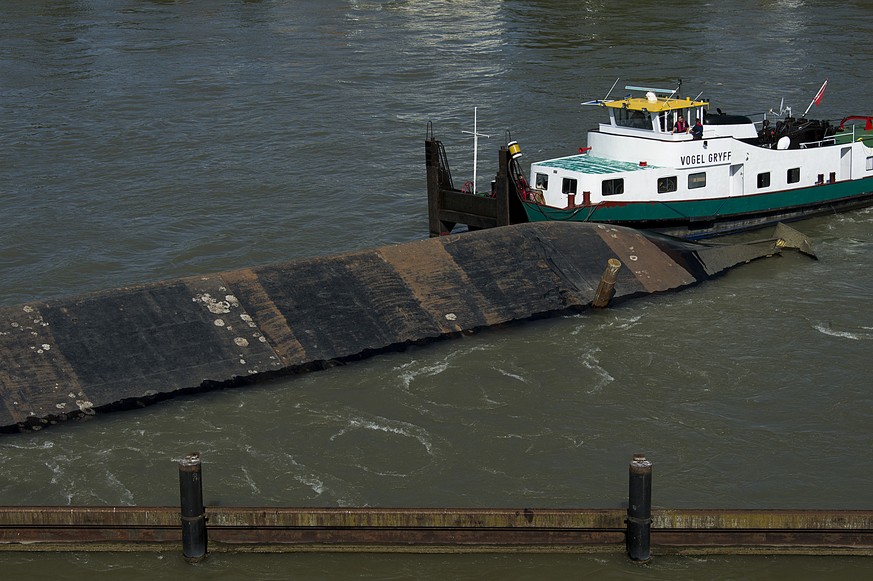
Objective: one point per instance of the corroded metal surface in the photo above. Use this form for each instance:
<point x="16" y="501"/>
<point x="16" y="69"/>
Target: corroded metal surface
<point x="833" y="532"/>
<point x="132" y="346"/>
<point x="448" y="207"/>
<point x="438" y="529"/>
<point x="763" y="519"/>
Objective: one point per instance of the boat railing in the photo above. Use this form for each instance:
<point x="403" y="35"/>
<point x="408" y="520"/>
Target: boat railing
<point x="840" y="138"/>
<point x="765" y="116"/>
<point x="832" y="140"/>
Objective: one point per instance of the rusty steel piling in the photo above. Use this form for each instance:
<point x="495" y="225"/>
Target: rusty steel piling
<point x="639" y="509"/>
<point x="194" y="538"/>
<point x="606" y="288"/>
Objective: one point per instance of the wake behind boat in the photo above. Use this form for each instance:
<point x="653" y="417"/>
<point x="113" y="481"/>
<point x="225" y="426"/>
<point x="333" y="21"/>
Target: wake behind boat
<point x="669" y="164"/>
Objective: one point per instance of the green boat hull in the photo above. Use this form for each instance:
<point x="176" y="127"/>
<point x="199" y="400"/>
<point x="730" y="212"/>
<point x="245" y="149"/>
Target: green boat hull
<point x="703" y="218"/>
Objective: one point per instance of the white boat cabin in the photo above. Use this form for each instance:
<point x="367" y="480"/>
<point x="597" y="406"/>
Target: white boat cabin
<point x="651" y="114"/>
<point x="642" y="153"/>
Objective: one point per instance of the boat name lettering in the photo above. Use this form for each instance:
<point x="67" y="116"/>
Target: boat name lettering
<point x="700" y="158"/>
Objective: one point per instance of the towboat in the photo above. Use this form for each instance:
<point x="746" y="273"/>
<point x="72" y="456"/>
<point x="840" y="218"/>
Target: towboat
<point x="670" y="164"/>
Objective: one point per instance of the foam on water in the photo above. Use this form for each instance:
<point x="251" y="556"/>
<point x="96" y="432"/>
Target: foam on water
<point x="120" y="491"/>
<point x="590" y="361"/>
<point x="826" y="329"/>
<point x="388" y="426"/>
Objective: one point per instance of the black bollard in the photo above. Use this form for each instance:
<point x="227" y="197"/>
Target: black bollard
<point x="193" y="513"/>
<point x="639" y="509"/>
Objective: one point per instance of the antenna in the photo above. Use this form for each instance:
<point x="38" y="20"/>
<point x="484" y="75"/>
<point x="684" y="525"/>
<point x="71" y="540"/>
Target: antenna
<point x="670" y="96"/>
<point x="782" y="109"/>
<point x="475" y="133"/>
<point x="611" y="88"/>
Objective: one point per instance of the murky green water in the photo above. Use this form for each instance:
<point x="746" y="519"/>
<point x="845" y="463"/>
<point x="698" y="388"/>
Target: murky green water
<point x="152" y="140"/>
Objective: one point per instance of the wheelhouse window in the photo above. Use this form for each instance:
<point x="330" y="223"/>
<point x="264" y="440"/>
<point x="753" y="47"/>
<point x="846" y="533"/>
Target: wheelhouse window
<point x="635" y="119"/>
<point x="697" y="180"/>
<point x="667" y="184"/>
<point x="794" y="175"/>
<point x="542" y="182"/>
<point x="568" y="186"/>
<point x="613" y="187"/>
<point x="764" y="180"/>
<point x="870" y="164"/>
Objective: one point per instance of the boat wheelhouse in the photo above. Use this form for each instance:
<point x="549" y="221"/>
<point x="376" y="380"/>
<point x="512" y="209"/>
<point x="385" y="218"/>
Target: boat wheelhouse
<point x="670" y="164"/>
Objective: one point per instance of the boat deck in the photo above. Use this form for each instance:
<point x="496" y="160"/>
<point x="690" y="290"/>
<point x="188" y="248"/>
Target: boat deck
<point x="589" y="164"/>
<point x="854" y="132"/>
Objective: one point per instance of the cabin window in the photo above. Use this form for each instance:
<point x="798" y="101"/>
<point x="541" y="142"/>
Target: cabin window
<point x="666" y="121"/>
<point x="870" y="164"/>
<point x="764" y="180"/>
<point x="568" y="186"/>
<point x="542" y="182"/>
<point x="635" y="119"/>
<point x="697" y="180"/>
<point x="667" y="185"/>
<point x="794" y="175"/>
<point x="613" y="187"/>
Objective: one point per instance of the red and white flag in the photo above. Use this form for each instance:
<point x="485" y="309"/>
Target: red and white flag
<point x="820" y="93"/>
<point x="817" y="98"/>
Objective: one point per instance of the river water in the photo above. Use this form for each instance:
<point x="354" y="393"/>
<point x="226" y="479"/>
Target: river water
<point x="147" y="140"/>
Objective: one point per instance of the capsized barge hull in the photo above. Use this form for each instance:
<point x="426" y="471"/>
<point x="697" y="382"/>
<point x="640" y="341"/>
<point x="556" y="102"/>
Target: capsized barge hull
<point x="125" y="348"/>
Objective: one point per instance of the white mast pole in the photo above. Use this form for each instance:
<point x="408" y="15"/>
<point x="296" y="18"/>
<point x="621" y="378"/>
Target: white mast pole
<point x="817" y="98"/>
<point x="475" y="145"/>
<point x="476" y="136"/>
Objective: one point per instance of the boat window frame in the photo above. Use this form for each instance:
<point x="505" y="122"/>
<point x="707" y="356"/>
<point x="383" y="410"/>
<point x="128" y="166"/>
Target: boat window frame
<point x="541" y="181"/>
<point x="673" y="181"/>
<point x="793" y="175"/>
<point x="566" y="182"/>
<point x="615" y="187"/>
<point x="697" y="180"/>
<point x="763" y="180"/>
<point x="870" y="163"/>
<point x="666" y="121"/>
<point x="632" y="118"/>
